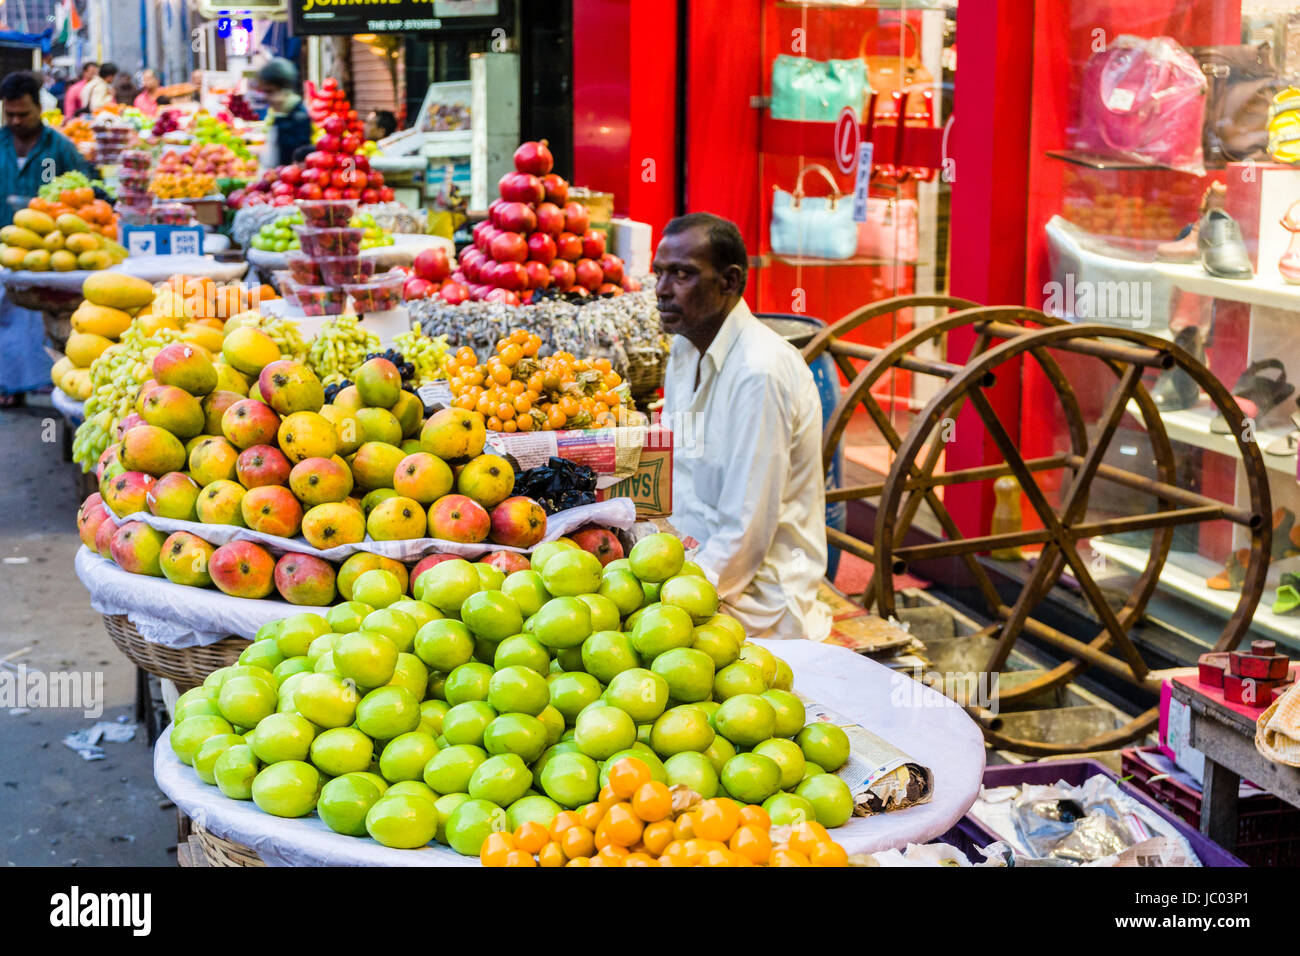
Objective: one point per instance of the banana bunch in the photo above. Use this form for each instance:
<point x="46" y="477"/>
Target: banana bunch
<point x="115" y="378"/>
<point x="339" y="349"/>
<point x="429" y="356"/>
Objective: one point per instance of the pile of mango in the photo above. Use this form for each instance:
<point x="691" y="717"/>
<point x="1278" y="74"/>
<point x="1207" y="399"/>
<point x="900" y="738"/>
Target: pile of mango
<point x="38" y="242"/>
<point x="111" y="301"/>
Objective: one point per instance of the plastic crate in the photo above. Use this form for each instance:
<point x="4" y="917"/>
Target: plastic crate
<point x="1268" y="829"/>
<point x="969" y="833"/>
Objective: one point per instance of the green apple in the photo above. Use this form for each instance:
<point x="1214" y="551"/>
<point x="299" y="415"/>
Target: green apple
<point x="790" y="714"/>
<point x="444" y="644"/>
<point x="693" y="594"/>
<point x="516" y="733"/>
<point x="641" y="693"/>
<point x="344" y="803"/>
<point x="687" y="671"/>
<point x="786" y="755"/>
<point x="473" y="821"/>
<point x="287" y="789"/>
<point x="761" y="658"/>
<point x="661" y="628"/>
<point x="554" y="723"/>
<point x="466" y="722"/>
<point x="347" y="616"/>
<point x="342" y="750"/>
<point x="517" y="689"/>
<point x="788" y="809"/>
<point x="719" y="752"/>
<point x="571" y="779"/>
<point x="270" y="631"/>
<point x="235" y="771"/>
<point x="731" y="624"/>
<point x="606" y="654"/>
<point x="402" y="821"/>
<point x="450" y="769"/>
<point x="326" y="701"/>
<point x="571" y="691"/>
<point x="784" y="679"/>
<point x="323" y="645"/>
<point x="419" y="611"/>
<point x="388" y="711"/>
<point x="290" y="666"/>
<point x="195" y="707"/>
<point x="205" y="758"/>
<point x="824" y="744"/>
<point x="745" y="720"/>
<point x="562" y="622"/>
<point x="692" y="770"/>
<point x="264" y="653"/>
<point x="656" y="558"/>
<point x="489" y="577"/>
<point x="398" y="626"/>
<point x="522" y="650"/>
<point x="740" y="677"/>
<point x="405" y="756"/>
<point x="446" y="804"/>
<point x="680" y="729"/>
<point x="298" y="631"/>
<point x="532" y="809"/>
<point x="605" y="615"/>
<point x="547" y="550"/>
<point x="569" y="658"/>
<point x="718" y="642"/>
<point x="751" y="778"/>
<point x="491" y="615"/>
<point x="282" y="737"/>
<point x="367" y="658"/>
<point x="622" y="587"/>
<point x="468" y="682"/>
<point x="571" y="572"/>
<point x="245" y="700"/>
<point x="448" y="584"/>
<point x="377" y="587"/>
<point x="526" y="589"/>
<point x="830" y="797"/>
<point x="502" y="779"/>
<point x="410" y="673"/>
<point x="602" y="731"/>
<point x="690" y="567"/>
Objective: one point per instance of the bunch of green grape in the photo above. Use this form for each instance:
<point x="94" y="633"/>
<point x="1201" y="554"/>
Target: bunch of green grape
<point x="429" y="356"/>
<point x="372" y="234"/>
<point x="115" y="378"/>
<point x="339" y="349"/>
<point x="72" y="180"/>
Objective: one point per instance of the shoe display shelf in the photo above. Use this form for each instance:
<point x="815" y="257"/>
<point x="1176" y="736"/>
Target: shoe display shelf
<point x="1271" y="291"/>
<point x="1192" y="426"/>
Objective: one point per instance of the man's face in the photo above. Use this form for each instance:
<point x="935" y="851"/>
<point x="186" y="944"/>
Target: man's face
<point x="22" y="117"/>
<point x="690" y="291"/>
<point x="89" y="72"/>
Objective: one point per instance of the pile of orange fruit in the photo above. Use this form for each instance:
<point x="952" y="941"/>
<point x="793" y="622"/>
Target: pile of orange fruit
<point x="183" y="185"/>
<point x="97" y="214"/>
<point x="515" y="391"/>
<point x="78" y="130"/>
<point x="203" y="298"/>
<point x="636" y="821"/>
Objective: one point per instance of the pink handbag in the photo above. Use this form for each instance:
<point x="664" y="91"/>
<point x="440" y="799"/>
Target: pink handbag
<point x="891" y="231"/>
<point x="1143" y="100"/>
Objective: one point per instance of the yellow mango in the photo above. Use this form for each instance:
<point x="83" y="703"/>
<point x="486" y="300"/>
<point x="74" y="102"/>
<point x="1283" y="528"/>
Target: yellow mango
<point x="80" y="242"/>
<point x="117" y="290"/>
<point x="76" y="382"/>
<point x="94" y="261"/>
<point x="35" y="220"/>
<point x="54" y="241"/>
<point x="11" y="257"/>
<point x="203" y="335"/>
<point x="68" y="224"/>
<point x="18" y="236"/>
<point x="38" y="260"/>
<point x="63" y="261"/>
<point x="84" y="347"/>
<point x="61" y="366"/>
<point x="154" y="323"/>
<point x="100" y="320"/>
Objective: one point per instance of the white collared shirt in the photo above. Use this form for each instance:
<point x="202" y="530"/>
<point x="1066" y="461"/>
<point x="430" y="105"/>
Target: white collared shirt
<point x="747" y="472"/>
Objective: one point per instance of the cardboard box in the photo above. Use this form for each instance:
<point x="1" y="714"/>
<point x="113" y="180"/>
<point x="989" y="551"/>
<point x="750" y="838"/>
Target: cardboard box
<point x="650" y="487"/>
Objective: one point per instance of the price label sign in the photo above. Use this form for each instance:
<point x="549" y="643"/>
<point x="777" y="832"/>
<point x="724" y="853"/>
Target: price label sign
<point x="862" y="185"/>
<point x="163" y="240"/>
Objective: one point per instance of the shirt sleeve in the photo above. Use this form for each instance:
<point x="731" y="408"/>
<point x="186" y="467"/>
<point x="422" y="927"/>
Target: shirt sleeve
<point x="750" y="507"/>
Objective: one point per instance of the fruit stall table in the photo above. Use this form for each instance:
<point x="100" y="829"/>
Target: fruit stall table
<point x="402" y="252"/>
<point x="57" y="294"/>
<point x="928" y="726"/>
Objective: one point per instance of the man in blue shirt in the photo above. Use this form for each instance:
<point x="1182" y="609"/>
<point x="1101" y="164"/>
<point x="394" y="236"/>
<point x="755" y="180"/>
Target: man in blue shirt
<point x="31" y="155"/>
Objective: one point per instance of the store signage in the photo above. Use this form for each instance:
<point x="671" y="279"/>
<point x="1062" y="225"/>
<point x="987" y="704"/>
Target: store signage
<point x="163" y="240"/>
<point x="862" y="185"/>
<point x="318" y="17"/>
<point x="847" y="136"/>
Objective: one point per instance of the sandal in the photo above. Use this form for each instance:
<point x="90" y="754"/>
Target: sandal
<point x="1256" y="393"/>
<point x="1233" y="574"/>
<point x="1287" y="598"/>
<point x="1288" y="444"/>
<point x="1175" y="390"/>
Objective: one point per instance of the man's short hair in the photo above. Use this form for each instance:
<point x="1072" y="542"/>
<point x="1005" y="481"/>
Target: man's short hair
<point x="19" y="84"/>
<point x="386" y="121"/>
<point x="108" y="70"/>
<point x="726" y="245"/>
<point x="87" y="66"/>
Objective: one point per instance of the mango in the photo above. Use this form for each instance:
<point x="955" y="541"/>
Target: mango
<point x="54" y="241"/>
<point x="11" y="257"/>
<point x="76" y="382"/>
<point x="94" y="261"/>
<point x="118" y="291"/>
<point x="84" y="347"/>
<point x="228" y="379"/>
<point x="18" y="236"/>
<point x="63" y="261"/>
<point x="35" y="220"/>
<point x="203" y="335"/>
<point x="100" y="320"/>
<point x="38" y="260"/>
<point x="61" y="366"/>
<point x="80" y="242"/>
<point x="69" y="223"/>
<point x="153" y="323"/>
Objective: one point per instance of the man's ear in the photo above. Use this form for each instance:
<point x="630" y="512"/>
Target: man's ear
<point x="733" y="280"/>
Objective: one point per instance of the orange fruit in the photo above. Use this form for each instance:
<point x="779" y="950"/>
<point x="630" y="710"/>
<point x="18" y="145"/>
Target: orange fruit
<point x="607" y="797"/>
<point x="612" y="855"/>
<point x="716" y="819"/>
<point x="829" y="854"/>
<point x="531" y="837"/>
<point x="551" y="855"/>
<point x="752" y="842"/>
<point x="562" y="821"/>
<point x="579" y="861"/>
<point x="519" y="858"/>
<point x="684" y="827"/>
<point x="755" y="816"/>
<point x="627" y="776"/>
<point x="639" y="859"/>
<point x="652" y="801"/>
<point x="524" y="423"/>
<point x="577" y="841"/>
<point x="622" y="825"/>
<point x="788" y="858"/>
<point x="496" y="848"/>
<point x="656" y="836"/>
<point x="590" y="815"/>
<point x="716" y="858"/>
<point x="805" y="837"/>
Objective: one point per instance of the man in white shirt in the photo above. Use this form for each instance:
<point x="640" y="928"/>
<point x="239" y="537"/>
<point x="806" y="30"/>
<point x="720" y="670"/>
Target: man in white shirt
<point x="748" y="485"/>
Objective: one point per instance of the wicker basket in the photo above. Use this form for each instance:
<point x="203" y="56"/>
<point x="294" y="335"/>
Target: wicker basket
<point x="645" y="372"/>
<point x="221" y="852"/>
<point x="186" y="667"/>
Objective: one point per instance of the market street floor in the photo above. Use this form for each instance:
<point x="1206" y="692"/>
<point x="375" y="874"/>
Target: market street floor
<point x="59" y="809"/>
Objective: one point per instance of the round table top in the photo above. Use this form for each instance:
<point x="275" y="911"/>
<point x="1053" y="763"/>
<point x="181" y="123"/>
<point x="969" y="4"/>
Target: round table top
<point x="922" y="723"/>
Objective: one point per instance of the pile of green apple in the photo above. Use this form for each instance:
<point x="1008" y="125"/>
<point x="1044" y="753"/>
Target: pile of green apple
<point x="491" y="700"/>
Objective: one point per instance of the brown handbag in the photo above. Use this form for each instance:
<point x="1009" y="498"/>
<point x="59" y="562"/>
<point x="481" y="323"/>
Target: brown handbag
<point x="1242" y="83"/>
<point x="888" y="73"/>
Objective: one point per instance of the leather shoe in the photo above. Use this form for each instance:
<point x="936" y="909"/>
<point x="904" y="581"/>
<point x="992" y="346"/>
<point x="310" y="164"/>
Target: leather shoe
<point x="1175" y="390"/>
<point x="1183" y="248"/>
<point x="1223" y="251"/>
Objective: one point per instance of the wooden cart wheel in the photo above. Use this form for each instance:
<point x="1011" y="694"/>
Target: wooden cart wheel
<point x="912" y="480"/>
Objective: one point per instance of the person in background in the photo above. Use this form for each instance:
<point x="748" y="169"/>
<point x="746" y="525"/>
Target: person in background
<point x="59" y="85"/>
<point x="124" y="88"/>
<point x="74" y="99"/>
<point x="98" y="93"/>
<point x="288" y="126"/>
<point x="31" y="154"/>
<point x="380" y="124"/>
<point x="147" y="100"/>
<point x="734" y="391"/>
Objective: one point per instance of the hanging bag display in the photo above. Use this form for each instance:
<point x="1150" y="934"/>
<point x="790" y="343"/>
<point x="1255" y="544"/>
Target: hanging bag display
<point x="1143" y="100"/>
<point x="820" y="227"/>
<point x="891" y="230"/>
<point x="889" y="73"/>
<point x="817" y="90"/>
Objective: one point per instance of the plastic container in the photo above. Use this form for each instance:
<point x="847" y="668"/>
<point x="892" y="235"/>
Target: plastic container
<point x="173" y="214"/>
<point x="305" y="270"/>
<point x="136" y="159"/>
<point x="327" y="213"/>
<point x="314" y="299"/>
<point x="1268" y="829"/>
<point x="345" y="270"/>
<point x="131" y="178"/>
<point x="329" y="242"/>
<point x="379" y="294"/>
<point x="970" y="833"/>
